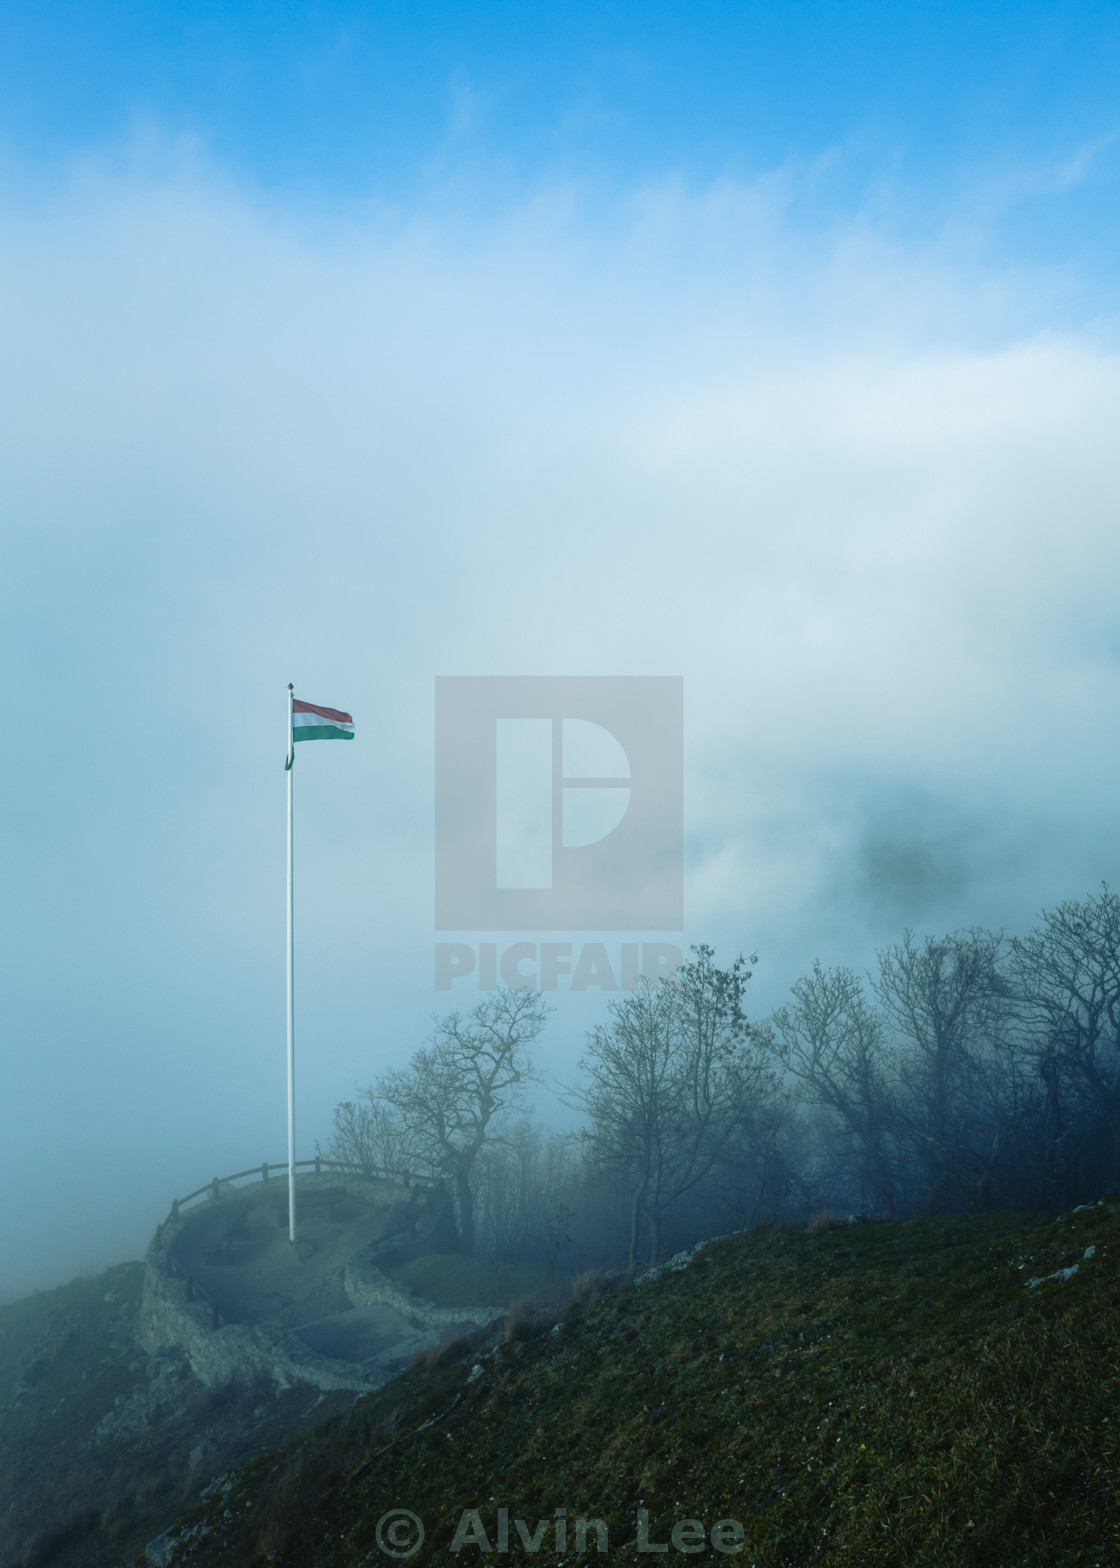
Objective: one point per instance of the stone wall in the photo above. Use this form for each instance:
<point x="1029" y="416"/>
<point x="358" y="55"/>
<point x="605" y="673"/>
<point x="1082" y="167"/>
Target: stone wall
<point x="168" y="1320"/>
<point x="366" y="1286"/>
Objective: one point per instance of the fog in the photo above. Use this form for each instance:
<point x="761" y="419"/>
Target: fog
<point x="858" y="490"/>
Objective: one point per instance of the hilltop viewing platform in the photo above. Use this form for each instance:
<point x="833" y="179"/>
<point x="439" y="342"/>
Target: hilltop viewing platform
<point x="335" y="1309"/>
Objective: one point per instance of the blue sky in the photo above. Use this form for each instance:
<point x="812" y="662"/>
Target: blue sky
<point x="399" y="102"/>
<point x="771" y="346"/>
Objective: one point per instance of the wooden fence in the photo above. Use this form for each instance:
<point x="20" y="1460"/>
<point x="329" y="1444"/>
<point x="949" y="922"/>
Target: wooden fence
<point x="213" y="1192"/>
<point x="213" y="1188"/>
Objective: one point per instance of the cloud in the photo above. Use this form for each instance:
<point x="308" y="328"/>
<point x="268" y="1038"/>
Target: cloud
<point x="861" y="496"/>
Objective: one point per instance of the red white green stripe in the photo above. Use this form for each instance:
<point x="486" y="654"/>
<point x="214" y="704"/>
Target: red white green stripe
<point x="313" y="723"/>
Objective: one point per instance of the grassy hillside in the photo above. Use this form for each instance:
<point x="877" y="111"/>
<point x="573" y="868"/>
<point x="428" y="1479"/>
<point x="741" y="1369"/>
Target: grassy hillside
<point x="867" y="1394"/>
<point x="101" y="1445"/>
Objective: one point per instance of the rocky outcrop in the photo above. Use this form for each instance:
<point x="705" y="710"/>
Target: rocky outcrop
<point x="168" y="1387"/>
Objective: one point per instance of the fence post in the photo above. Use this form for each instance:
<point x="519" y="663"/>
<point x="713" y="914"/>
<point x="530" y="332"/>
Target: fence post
<point x="318" y="1164"/>
<point x="264" y="1171"/>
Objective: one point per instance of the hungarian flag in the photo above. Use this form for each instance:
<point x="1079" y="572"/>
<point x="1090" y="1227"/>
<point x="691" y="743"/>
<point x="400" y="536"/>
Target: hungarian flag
<point x="312" y="723"/>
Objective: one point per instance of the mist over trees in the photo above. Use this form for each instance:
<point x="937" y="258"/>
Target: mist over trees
<point x="672" y="1084"/>
<point x="438" y="1114"/>
<point x="965" y="1072"/>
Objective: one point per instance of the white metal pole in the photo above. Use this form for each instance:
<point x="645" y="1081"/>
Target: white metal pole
<point x="289" y="760"/>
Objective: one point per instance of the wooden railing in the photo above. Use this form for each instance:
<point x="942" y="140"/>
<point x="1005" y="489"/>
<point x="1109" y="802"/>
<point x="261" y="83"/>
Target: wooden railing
<point x="213" y="1191"/>
<point x="213" y="1188"/>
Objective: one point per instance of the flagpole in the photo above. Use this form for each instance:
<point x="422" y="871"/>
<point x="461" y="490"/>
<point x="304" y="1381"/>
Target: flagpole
<point x="288" y="761"/>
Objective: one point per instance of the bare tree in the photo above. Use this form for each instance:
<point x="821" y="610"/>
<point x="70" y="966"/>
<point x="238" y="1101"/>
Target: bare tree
<point x="370" y="1134"/>
<point x="450" y="1098"/>
<point x="758" y="1180"/>
<point x="951" y="1004"/>
<point x="630" y="1066"/>
<point x="1069" y="971"/>
<point x="832" y="1041"/>
<point x="525" y="1188"/>
<point x="670" y="1081"/>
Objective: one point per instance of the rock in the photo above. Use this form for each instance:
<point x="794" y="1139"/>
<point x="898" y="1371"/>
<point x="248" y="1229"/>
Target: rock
<point x="160" y="1553"/>
<point x="1061" y="1275"/>
<point x="165" y="1550"/>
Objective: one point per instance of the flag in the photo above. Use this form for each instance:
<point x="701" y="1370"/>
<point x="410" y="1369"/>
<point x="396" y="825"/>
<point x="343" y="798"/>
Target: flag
<point x="312" y="723"/>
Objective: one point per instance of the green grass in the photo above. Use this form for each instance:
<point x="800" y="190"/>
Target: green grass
<point x="869" y="1395"/>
